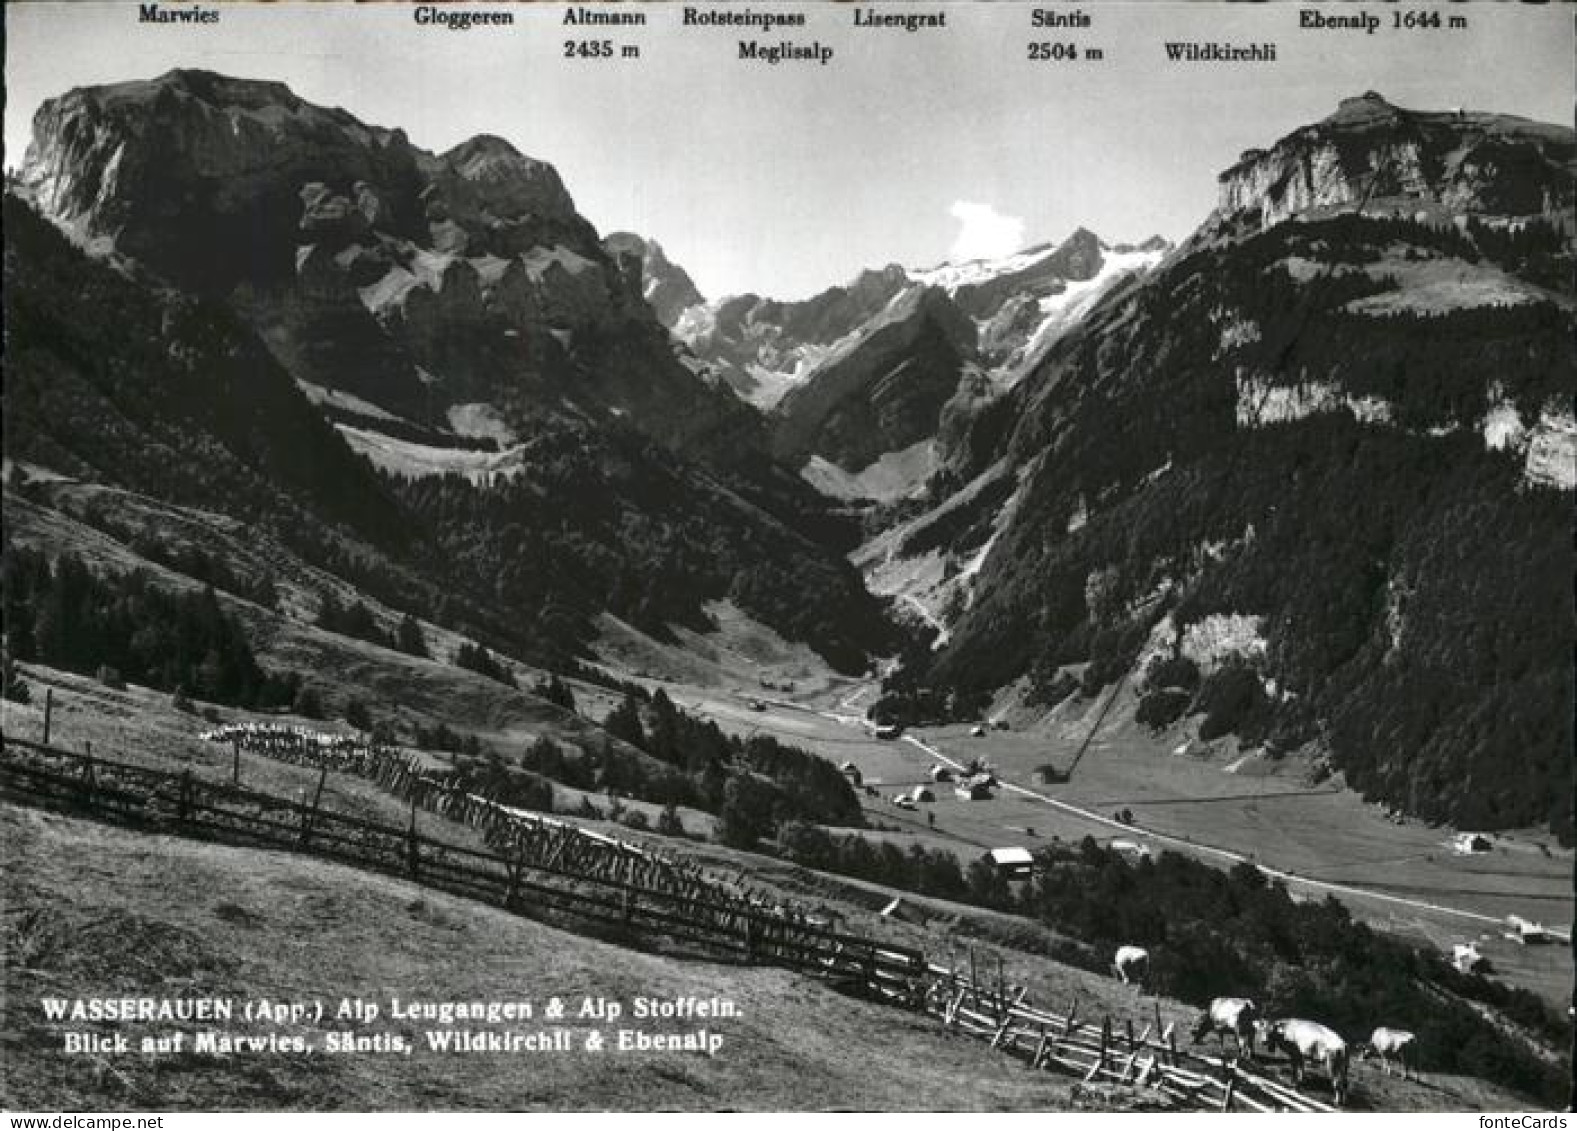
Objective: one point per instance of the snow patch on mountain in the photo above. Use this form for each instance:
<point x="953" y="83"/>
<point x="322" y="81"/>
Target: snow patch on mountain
<point x="346" y="402"/>
<point x="418" y="461"/>
<point x="1061" y="312"/>
<point x="896" y="475"/>
<point x="539" y="260"/>
<point x="480" y="421"/>
<point x="951" y="276"/>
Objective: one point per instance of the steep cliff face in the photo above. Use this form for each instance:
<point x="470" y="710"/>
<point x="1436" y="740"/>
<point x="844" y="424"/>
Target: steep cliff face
<point x="178" y="168"/>
<point x="1456" y="161"/>
<point x="763" y="347"/>
<point x="667" y="287"/>
<point x="884" y="391"/>
<point x="1076" y="260"/>
<point x="414" y="281"/>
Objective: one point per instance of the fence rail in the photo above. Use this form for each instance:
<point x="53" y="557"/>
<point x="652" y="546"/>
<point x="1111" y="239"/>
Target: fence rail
<point x="554" y="872"/>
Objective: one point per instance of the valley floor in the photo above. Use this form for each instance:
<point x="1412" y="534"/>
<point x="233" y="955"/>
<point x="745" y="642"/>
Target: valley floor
<point x="1325" y="840"/>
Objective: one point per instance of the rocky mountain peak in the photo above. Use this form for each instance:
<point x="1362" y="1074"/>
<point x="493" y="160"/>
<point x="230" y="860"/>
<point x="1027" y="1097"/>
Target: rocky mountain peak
<point x="1449" y="163"/>
<point x="221" y="91"/>
<point x="667" y="287"/>
<point x="497" y="178"/>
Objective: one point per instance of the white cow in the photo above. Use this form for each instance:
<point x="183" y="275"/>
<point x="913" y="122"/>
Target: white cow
<point x="1305" y="1041"/>
<point x="1466" y="957"/>
<point x="1131" y="964"/>
<point x="1388" y="1044"/>
<point x="1235" y="1015"/>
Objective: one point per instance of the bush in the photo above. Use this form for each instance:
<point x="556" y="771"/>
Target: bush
<point x="476" y="658"/>
<point x="308" y="703"/>
<point x="358" y="716"/>
<point x="408" y="637"/>
<point x="1049" y="689"/>
<point x="1160" y="709"/>
<point x="11" y="685"/>
<point x="109" y="677"/>
<point x="556" y="691"/>
<point x="669" y="822"/>
<point x="1232" y="699"/>
<point x="181" y="701"/>
<point x="637" y="820"/>
<point x="746" y="815"/>
<point x="1172" y="671"/>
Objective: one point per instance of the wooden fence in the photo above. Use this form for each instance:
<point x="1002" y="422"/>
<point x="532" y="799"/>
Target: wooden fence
<point x="1101" y="1048"/>
<point x="551" y="871"/>
<point x="539" y="872"/>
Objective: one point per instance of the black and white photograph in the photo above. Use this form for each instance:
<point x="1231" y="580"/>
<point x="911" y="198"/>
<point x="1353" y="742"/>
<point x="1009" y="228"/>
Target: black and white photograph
<point x="788" y="555"/>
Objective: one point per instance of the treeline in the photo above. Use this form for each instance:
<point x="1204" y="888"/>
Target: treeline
<point x="925" y="871"/>
<point x="753" y="784"/>
<point x="1213" y="933"/>
<point x="359" y="621"/>
<point x="210" y="569"/>
<point x="655" y="752"/>
<point x="608" y="768"/>
<point x="476" y="658"/>
<point x="124" y="627"/>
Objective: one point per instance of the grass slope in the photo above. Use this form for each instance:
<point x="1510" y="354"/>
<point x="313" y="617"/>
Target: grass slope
<point x="94" y="910"/>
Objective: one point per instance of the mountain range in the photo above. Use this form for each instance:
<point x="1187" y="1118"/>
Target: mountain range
<point x="1304" y="479"/>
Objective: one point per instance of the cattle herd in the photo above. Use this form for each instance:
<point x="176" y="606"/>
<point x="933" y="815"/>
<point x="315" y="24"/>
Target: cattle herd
<point x="1303" y="1042"/>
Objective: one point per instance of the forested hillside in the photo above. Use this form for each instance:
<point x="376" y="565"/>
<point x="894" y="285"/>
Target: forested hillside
<point x="1294" y="429"/>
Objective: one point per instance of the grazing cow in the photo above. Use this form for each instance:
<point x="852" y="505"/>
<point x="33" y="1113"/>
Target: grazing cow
<point x="1131" y="964"/>
<point x="1466" y="957"/>
<point x="1388" y="1044"/>
<point x="1305" y="1041"/>
<point x="1235" y="1015"/>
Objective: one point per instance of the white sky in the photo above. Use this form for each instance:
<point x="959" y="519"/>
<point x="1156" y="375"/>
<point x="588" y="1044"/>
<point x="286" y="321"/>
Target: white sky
<point x="907" y="148"/>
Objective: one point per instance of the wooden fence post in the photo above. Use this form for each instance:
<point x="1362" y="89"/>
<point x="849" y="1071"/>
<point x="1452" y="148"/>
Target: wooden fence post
<point x="86" y="794"/>
<point x="310" y="814"/>
<point x="49" y="711"/>
<point x="513" y="892"/>
<point x="413" y="850"/>
<point x="1229" y="1069"/>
